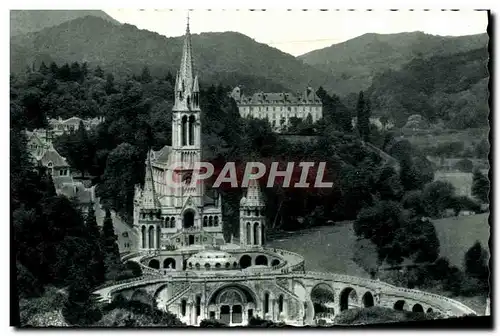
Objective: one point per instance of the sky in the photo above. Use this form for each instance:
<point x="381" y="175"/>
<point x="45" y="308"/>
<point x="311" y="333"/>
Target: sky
<point x="297" y="32"/>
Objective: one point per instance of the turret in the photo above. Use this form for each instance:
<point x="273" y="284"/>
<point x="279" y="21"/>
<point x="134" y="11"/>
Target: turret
<point x="252" y="218"/>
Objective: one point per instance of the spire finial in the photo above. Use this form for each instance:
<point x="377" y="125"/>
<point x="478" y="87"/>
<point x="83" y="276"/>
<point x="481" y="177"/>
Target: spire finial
<point x="187" y="29"/>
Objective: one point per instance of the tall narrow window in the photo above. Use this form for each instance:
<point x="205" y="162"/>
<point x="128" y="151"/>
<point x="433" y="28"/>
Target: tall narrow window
<point x="191" y="129"/>
<point x="183" y="131"/>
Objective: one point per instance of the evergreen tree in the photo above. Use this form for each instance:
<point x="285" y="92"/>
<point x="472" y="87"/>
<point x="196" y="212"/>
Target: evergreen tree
<point x="109" y="241"/>
<point x="170" y="78"/>
<point x="91" y="223"/>
<point x="146" y="75"/>
<point x="54" y="70"/>
<point x="64" y="73"/>
<point x="363" y="111"/>
<point x="75" y="73"/>
<point x="98" y="72"/>
<point x="97" y="266"/>
<point x="476" y="264"/>
<point x="480" y="186"/>
<point x="110" y="84"/>
<point x="44" y="70"/>
<point x="79" y="310"/>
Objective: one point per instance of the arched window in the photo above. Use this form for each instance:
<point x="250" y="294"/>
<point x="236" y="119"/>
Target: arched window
<point x="192" y="120"/>
<point x="207" y="266"/>
<point x="183" y="307"/>
<point x="143" y="234"/>
<point x="184" y="131"/>
<point x="151" y="233"/>
<point x="249" y="233"/>
<point x="172" y="222"/>
<point x="216" y="221"/>
<point x="266" y="303"/>
<point x="210" y="221"/>
<point x="256" y="240"/>
<point x="280" y="304"/>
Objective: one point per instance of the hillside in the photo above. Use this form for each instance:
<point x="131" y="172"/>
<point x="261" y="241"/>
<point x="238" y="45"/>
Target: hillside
<point x="28" y="21"/>
<point x="125" y="49"/>
<point x="453" y="88"/>
<point x="354" y="63"/>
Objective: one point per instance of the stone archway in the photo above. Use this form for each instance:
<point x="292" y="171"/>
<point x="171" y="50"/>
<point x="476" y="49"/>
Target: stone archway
<point x="400" y="305"/>
<point x="232" y="304"/>
<point x="275" y="262"/>
<point x="188" y="219"/>
<point x="348" y="298"/>
<point x="261" y="260"/>
<point x="368" y="300"/>
<point x="141" y="295"/>
<point x="323" y="299"/>
<point x="169" y="263"/>
<point x="417" y="308"/>
<point x="245" y="261"/>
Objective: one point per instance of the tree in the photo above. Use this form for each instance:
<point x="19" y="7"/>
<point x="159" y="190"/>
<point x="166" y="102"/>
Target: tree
<point x="98" y="72"/>
<point x="475" y="262"/>
<point x="480" y="186"/>
<point x="124" y="169"/>
<point x="79" y="310"/>
<point x="437" y="197"/>
<point x="146" y="75"/>
<point x="363" y="111"/>
<point x="109" y="238"/>
<point x="464" y="165"/>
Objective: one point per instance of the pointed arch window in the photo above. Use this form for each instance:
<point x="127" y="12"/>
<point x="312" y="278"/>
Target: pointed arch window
<point x="184" y="131"/>
<point x="192" y="120"/>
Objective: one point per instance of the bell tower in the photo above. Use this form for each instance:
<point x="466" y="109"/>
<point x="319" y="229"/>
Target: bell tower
<point x="252" y="218"/>
<point x="186" y="128"/>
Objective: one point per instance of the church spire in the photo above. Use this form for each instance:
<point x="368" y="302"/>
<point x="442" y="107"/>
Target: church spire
<point x="186" y="71"/>
<point x="254" y="196"/>
<point x="149" y="195"/>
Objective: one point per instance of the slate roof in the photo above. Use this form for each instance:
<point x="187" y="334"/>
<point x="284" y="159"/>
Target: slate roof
<point x="307" y="97"/>
<point x="51" y="155"/>
<point x="162" y="155"/>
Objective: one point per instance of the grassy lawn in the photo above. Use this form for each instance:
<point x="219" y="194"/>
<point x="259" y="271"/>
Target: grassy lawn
<point x="458" y="234"/>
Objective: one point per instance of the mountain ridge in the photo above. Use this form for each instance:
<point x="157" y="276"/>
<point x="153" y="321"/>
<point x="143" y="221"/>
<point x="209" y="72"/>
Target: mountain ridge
<point x="125" y="49"/>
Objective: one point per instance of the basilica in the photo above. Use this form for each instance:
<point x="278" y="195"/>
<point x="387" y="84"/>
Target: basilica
<point x="192" y="271"/>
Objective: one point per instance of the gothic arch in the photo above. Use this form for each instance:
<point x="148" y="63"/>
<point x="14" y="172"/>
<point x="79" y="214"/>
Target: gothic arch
<point x="205" y="223"/>
<point x="249" y="233"/>
<point x="248" y="293"/>
<point x="188" y="219"/>
<point x="216" y="220"/>
<point x="256" y="233"/>
<point x="184" y="130"/>
<point x="192" y="121"/>
<point x="151" y="236"/>
<point x="158" y="236"/>
<point x="143" y="236"/>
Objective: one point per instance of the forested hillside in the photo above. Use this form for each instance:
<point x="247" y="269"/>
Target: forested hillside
<point x="125" y="50"/>
<point x="354" y="63"/>
<point x="28" y="21"/>
<point x="452" y="88"/>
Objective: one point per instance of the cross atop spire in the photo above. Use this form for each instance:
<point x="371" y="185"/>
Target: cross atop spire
<point x="186" y="84"/>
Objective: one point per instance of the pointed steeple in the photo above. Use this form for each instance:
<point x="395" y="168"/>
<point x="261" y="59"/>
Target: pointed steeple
<point x="196" y="87"/>
<point x="186" y="70"/>
<point x="150" y="201"/>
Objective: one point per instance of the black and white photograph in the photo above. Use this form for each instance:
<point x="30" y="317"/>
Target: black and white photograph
<point x="211" y="168"/>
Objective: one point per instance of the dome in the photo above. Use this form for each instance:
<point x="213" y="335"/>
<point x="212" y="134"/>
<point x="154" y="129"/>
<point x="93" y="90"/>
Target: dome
<point x="212" y="260"/>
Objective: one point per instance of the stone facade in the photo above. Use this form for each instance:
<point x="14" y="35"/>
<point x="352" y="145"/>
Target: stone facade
<point x="279" y="108"/>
